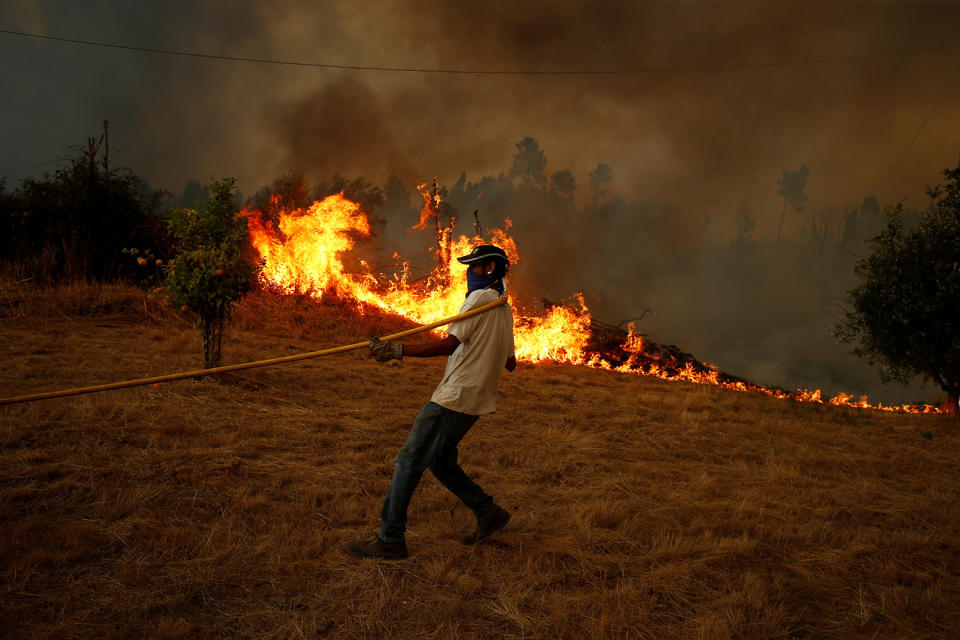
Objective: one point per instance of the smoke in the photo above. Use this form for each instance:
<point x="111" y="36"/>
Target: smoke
<point x="340" y="128"/>
<point x="705" y="139"/>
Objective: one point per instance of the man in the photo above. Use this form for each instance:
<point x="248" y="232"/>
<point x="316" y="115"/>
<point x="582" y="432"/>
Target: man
<point x="479" y="348"/>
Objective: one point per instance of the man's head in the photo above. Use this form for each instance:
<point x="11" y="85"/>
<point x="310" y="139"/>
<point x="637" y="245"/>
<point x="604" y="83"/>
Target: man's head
<point x="487" y="260"/>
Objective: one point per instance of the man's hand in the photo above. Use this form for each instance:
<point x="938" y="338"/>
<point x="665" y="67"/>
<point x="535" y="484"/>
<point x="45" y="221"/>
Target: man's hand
<point x="384" y="350"/>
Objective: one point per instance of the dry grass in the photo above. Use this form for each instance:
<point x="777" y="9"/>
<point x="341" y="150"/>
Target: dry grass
<point x="642" y="509"/>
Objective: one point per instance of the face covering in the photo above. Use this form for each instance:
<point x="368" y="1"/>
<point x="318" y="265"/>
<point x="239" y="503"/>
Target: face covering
<point x="482" y="281"/>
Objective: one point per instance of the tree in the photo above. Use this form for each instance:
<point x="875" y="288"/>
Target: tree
<point x="78" y="222"/>
<point x="529" y="164"/>
<point x="599" y="178"/>
<point x="193" y="193"/>
<point x="396" y="200"/>
<point x="562" y="183"/>
<point x="287" y="193"/>
<point x="823" y="223"/>
<point x="8" y="206"/>
<point x="905" y="314"/>
<point x="444" y="217"/>
<point x="791" y="189"/>
<point x="209" y="274"/>
<point x="745" y="226"/>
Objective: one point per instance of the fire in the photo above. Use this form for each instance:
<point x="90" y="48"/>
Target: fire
<point x="306" y="256"/>
<point x="561" y="335"/>
<point x="308" y="251"/>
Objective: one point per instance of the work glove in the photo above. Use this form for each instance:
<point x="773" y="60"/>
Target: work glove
<point x="384" y="350"/>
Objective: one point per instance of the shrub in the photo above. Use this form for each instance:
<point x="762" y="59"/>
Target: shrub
<point x="210" y="273"/>
<point x="76" y="223"/>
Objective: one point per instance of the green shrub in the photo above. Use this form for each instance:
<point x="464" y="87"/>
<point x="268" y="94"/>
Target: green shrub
<point x="210" y="273"/>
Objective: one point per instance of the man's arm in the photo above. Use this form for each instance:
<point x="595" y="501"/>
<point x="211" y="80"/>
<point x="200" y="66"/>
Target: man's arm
<point x="442" y="347"/>
<point x="383" y="350"/>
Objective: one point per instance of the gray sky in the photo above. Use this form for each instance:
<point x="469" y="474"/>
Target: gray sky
<point x="703" y="140"/>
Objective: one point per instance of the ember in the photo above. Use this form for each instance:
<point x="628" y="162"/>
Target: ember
<point x="306" y="253"/>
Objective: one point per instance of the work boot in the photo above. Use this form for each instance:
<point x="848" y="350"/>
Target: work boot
<point x="487" y="526"/>
<point x="378" y="548"/>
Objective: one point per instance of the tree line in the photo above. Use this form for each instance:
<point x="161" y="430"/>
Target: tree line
<point x="93" y="221"/>
<point x="76" y="222"/>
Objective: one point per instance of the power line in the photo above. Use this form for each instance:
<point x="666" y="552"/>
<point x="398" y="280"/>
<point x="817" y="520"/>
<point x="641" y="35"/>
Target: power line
<point x="491" y="72"/>
<point x="943" y="92"/>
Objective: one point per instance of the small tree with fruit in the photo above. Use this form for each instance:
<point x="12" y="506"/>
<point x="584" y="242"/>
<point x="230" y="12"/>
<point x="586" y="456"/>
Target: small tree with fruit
<point x="210" y="273"/>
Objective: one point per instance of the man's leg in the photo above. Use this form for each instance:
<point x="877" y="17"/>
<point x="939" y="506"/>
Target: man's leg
<point x="490" y="516"/>
<point x="451" y="475"/>
<point x="422" y="446"/>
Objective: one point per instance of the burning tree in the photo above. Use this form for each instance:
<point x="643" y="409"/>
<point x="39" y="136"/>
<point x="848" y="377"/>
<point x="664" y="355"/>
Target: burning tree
<point x="210" y="273"/>
<point x="434" y="208"/>
<point x="905" y="314"/>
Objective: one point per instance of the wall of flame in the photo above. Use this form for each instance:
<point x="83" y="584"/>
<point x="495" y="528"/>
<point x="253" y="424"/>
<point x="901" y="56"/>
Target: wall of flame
<point x="305" y="251"/>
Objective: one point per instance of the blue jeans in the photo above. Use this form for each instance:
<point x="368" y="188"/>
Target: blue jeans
<point x="432" y="444"/>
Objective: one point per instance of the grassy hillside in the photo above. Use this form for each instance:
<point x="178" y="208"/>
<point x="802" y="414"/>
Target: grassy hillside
<point x="641" y="508"/>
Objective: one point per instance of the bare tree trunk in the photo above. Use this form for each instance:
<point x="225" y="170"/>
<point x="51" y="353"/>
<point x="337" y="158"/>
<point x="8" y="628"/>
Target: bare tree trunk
<point x="106" y="147"/>
<point x="782" y="215"/>
<point x="211" y="336"/>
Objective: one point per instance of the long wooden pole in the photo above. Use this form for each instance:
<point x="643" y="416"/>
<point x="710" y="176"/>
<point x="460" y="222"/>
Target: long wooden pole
<point x="246" y="365"/>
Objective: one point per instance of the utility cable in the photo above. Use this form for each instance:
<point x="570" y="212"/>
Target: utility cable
<point x="491" y="72"/>
<point x="923" y="124"/>
<point x="246" y="365"/>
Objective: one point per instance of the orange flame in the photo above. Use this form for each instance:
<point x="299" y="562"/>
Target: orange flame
<point x="561" y="335"/>
<point x="306" y="255"/>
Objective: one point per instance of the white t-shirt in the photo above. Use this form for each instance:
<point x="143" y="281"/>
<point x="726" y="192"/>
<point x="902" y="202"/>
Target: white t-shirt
<point x="469" y="384"/>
